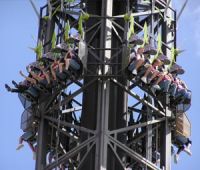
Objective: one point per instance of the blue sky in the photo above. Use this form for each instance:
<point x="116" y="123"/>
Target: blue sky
<point x="19" y="23"/>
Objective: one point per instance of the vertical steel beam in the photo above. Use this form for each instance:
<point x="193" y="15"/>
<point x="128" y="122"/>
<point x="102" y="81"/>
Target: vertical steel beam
<point x="167" y="34"/>
<point x="165" y="142"/>
<point x="149" y="132"/>
<point x="165" y="127"/>
<point x="104" y="90"/>
<point x="150" y="100"/>
<point x="50" y="26"/>
<point x="42" y="141"/>
<point x="118" y="97"/>
<point x="91" y="97"/>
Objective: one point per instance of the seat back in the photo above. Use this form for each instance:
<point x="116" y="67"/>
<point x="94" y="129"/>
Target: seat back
<point x="183" y="125"/>
<point x="27" y="119"/>
<point x="26" y="103"/>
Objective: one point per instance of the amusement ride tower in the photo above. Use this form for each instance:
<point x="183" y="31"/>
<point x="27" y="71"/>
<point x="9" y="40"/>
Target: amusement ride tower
<point x="105" y="118"/>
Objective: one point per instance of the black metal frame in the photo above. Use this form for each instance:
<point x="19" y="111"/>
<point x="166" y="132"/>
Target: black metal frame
<point x="101" y="135"/>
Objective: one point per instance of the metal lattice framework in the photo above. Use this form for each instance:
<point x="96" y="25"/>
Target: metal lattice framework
<point x="107" y="121"/>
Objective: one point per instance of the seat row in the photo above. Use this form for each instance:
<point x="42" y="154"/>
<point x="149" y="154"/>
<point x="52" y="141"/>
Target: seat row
<point x="53" y="71"/>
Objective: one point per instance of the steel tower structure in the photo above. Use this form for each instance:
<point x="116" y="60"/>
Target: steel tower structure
<point x="122" y="123"/>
